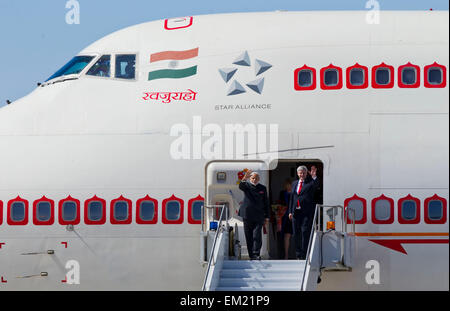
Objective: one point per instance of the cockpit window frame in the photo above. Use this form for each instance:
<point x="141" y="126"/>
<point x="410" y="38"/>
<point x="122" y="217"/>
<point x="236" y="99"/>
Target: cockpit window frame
<point x="113" y="67"/>
<point x="95" y="57"/>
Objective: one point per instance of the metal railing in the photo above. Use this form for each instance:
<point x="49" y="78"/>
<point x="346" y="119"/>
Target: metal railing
<point x="318" y="223"/>
<point x="211" y="260"/>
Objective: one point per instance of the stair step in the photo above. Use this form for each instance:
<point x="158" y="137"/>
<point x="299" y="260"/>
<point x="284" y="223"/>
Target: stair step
<point x="267" y="273"/>
<point x="260" y="282"/>
<point x="262" y="275"/>
<point x="264" y="264"/>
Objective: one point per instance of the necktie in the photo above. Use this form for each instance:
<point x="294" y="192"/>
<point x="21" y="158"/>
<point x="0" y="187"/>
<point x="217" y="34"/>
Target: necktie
<point x="298" y="192"/>
<point x="300" y="187"/>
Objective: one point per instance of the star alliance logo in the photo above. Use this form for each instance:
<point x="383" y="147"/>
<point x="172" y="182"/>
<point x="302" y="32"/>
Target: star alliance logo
<point x="243" y="60"/>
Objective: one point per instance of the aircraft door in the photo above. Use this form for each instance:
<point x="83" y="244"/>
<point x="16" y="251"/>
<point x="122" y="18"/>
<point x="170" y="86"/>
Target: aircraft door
<point x="222" y="188"/>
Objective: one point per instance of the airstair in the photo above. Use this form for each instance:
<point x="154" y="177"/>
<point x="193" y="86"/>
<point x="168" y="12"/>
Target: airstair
<point x="227" y="270"/>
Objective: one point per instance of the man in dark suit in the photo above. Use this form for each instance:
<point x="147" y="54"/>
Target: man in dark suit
<point x="255" y="212"/>
<point x="302" y="208"/>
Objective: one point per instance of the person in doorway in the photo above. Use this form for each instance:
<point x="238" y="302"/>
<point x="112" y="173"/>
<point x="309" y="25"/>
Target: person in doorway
<point x="318" y="192"/>
<point x="254" y="211"/>
<point x="286" y="223"/>
<point x="302" y="207"/>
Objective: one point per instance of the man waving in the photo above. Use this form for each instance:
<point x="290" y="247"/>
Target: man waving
<point x="254" y="211"/>
<point x="302" y="207"/>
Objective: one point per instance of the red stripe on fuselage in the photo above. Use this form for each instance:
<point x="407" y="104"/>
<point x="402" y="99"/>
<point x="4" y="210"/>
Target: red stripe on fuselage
<point x="396" y="245"/>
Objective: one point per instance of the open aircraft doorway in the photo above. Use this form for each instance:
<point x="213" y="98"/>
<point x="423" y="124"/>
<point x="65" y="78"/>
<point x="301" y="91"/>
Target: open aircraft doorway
<point x="222" y="190"/>
<point x="281" y="232"/>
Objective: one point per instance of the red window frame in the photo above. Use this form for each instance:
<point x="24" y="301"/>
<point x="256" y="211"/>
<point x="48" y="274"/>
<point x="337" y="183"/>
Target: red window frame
<point x="139" y="220"/>
<point x="444" y="76"/>
<point x="402" y="220"/>
<point x="390" y="85"/>
<point x="399" y="76"/>
<point x="25" y="219"/>
<point x="427" y="219"/>
<point x="164" y="216"/>
<point x="366" y="77"/>
<point x="127" y="221"/>
<point x="191" y="202"/>
<point x="313" y="85"/>
<point x="390" y="220"/>
<point x="166" y="23"/>
<point x="76" y="221"/>
<point x="364" y="203"/>
<point x="51" y="220"/>
<point x="102" y="221"/>
<point x="1" y="212"/>
<point x="323" y="86"/>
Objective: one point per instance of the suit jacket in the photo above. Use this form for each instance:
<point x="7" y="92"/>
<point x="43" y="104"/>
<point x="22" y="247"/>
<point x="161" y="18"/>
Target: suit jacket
<point x="256" y="202"/>
<point x="306" y="198"/>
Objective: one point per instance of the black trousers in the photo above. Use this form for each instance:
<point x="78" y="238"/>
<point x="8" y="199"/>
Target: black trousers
<point x="301" y="225"/>
<point x="253" y="236"/>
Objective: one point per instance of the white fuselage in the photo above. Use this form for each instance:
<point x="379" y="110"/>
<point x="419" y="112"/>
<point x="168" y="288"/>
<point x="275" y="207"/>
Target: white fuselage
<point x="98" y="136"/>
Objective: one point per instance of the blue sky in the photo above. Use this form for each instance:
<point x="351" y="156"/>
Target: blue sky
<point x="35" y="39"/>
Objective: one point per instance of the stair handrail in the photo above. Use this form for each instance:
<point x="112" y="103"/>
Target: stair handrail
<point x="315" y="228"/>
<point x="219" y="228"/>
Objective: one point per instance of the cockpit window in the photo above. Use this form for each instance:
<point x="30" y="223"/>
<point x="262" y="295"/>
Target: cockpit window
<point x="101" y="68"/>
<point x="74" y="66"/>
<point x="125" y="66"/>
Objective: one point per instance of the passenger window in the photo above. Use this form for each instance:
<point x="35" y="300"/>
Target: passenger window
<point x="121" y="211"/>
<point x="382" y="210"/>
<point x="305" y="78"/>
<point x="435" y="210"/>
<point x="173" y="210"/>
<point x="95" y="210"/>
<point x="43" y="211"/>
<point x="125" y="66"/>
<point x="331" y="77"/>
<point x="382" y="76"/>
<point x="147" y="211"/>
<point x="409" y="76"/>
<point x="409" y="210"/>
<point x="69" y="211"/>
<point x="356" y="77"/>
<point x="18" y="211"/>
<point x="197" y="210"/>
<point x="358" y="207"/>
<point x="435" y="76"/>
<point x="101" y="68"/>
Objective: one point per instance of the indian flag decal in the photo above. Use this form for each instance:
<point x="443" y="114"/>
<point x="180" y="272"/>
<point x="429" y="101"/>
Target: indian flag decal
<point x="169" y="61"/>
